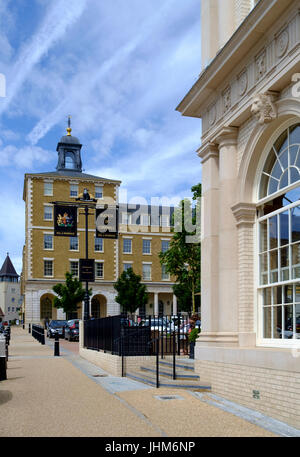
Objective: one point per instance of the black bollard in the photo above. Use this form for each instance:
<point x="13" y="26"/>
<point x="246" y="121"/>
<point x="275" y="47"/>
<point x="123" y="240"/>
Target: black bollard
<point x="42" y="337"/>
<point x="29" y="328"/>
<point x="56" y="344"/>
<point x="6" y="352"/>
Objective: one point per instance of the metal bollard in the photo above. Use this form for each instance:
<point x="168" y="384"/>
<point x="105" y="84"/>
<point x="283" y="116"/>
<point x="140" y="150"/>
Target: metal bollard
<point x="29" y="328"/>
<point x="42" y="337"/>
<point x="3" y="375"/>
<point x="56" y="345"/>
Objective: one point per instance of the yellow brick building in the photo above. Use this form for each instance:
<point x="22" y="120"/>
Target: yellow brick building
<point x="143" y="232"/>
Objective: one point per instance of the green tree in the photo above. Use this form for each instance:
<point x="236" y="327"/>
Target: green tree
<point x="183" y="258"/>
<point x="131" y="293"/>
<point x="69" y="294"/>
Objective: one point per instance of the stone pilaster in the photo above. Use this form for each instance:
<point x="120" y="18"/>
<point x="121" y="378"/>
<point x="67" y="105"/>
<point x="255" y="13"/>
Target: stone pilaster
<point x="245" y="217"/>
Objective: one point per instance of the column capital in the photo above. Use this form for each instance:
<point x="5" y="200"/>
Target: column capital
<point x="208" y="150"/>
<point x="244" y="213"/>
<point x="226" y="137"/>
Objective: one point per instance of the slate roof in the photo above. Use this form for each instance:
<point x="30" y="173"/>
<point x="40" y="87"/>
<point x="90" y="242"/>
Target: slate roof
<point x="8" y="269"/>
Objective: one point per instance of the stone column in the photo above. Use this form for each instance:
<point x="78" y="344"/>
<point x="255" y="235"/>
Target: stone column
<point x="174" y="305"/>
<point x="228" y="240"/>
<point x="209" y="154"/>
<point x="156" y="303"/>
<point x="245" y="218"/>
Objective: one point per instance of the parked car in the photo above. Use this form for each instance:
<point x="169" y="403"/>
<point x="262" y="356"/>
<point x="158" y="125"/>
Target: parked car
<point x="158" y="323"/>
<point x="56" y="327"/>
<point x="72" y="330"/>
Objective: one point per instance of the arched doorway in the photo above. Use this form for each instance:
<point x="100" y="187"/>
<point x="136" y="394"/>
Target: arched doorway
<point x="47" y="311"/>
<point x="98" y="306"/>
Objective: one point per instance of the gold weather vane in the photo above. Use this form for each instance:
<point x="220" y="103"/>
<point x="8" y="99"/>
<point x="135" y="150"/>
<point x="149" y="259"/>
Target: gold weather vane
<point x="69" y="130"/>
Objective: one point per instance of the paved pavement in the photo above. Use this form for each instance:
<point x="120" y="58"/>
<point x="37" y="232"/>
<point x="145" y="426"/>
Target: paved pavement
<point x="47" y="396"/>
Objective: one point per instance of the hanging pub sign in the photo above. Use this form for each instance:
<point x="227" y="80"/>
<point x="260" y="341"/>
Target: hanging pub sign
<point x="107" y="222"/>
<point x="87" y="270"/>
<point x="65" y="220"/>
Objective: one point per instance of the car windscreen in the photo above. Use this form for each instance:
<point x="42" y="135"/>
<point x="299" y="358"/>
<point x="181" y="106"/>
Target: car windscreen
<point x="57" y="324"/>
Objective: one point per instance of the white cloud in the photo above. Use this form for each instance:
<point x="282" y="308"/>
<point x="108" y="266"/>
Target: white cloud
<point x="24" y="157"/>
<point x="59" y="17"/>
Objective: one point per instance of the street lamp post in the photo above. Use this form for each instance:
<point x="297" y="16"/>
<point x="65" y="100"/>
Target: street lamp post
<point x="87" y="202"/>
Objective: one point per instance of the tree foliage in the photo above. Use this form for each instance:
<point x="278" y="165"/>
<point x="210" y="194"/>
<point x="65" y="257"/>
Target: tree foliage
<point x="183" y="258"/>
<point x="70" y="294"/>
<point x="131" y="293"/>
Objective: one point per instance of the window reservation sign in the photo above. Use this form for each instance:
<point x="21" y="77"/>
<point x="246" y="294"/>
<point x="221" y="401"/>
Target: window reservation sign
<point x="65" y="220"/>
<point x="87" y="270"/>
<point x="107" y="222"/>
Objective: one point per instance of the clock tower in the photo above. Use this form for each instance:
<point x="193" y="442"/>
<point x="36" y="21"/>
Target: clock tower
<point x="68" y="149"/>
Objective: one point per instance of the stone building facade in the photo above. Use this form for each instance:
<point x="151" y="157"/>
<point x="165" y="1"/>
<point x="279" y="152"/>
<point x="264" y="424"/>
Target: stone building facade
<point x="248" y="98"/>
<point x="46" y="257"/>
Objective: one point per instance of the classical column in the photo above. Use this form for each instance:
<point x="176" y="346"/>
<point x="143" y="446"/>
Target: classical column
<point x="228" y="240"/>
<point x="155" y="303"/>
<point x="174" y="305"/>
<point x="209" y="154"/>
<point x="245" y="218"/>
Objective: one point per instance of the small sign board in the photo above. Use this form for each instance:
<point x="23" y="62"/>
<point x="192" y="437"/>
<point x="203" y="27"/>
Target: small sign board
<point x="65" y="220"/>
<point x="107" y="222"/>
<point x="87" y="270"/>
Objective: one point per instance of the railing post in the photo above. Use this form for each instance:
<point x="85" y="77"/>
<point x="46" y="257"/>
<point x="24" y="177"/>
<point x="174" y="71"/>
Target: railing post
<point x="29" y="328"/>
<point x="174" y="356"/>
<point x="122" y="352"/>
<point x="56" y="345"/>
<point x="157" y="363"/>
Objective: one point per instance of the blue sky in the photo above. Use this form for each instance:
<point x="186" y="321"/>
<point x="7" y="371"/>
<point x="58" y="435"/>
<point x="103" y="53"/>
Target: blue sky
<point x="119" y="68"/>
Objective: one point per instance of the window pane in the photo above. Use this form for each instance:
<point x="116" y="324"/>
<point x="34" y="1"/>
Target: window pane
<point x="273" y="232"/>
<point x="98" y="191"/>
<point x="165" y="245"/>
<point x="48" y="268"/>
<point x="295" y="220"/>
<point x="48" y="213"/>
<point x="74" y="268"/>
<point x="99" y="270"/>
<point x="267" y="296"/>
<point x="274" y="266"/>
<point x="74" y="190"/>
<point x="288" y="294"/>
<point x="74" y="243"/>
<point x="48" y="188"/>
<point x="296" y="260"/>
<point x="263" y="238"/>
<point x="127" y="245"/>
<point x="98" y="244"/>
<point x="267" y="328"/>
<point x="263" y="268"/>
<point x="48" y="242"/>
<point x="126" y="266"/>
<point x="146" y="246"/>
<point x="297" y="320"/>
<point x="277" y="295"/>
<point x="288" y="322"/>
<point x="147" y="272"/>
<point x="284" y="228"/>
<point x="284" y="264"/>
<point x="277" y="322"/>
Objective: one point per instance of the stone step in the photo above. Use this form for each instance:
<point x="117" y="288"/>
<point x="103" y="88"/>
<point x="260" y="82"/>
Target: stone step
<point x="186" y="364"/>
<point x="179" y="374"/>
<point x="150" y="379"/>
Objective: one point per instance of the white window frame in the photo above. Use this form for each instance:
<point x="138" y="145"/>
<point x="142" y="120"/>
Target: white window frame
<point x="147" y="264"/>
<point x="71" y="238"/>
<point x="145" y="252"/>
<point x="48" y="188"/>
<point x="164" y="275"/>
<point x="96" y="250"/>
<point x="52" y="243"/>
<point x="48" y="207"/>
<point x="52" y="263"/>
<point x="74" y="189"/>
<point x="98" y="186"/>
<point x="127" y="239"/>
<point x="74" y="261"/>
<point x="97" y="262"/>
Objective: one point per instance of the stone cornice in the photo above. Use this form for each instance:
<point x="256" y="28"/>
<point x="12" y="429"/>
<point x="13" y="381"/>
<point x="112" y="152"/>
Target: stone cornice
<point x="245" y="37"/>
<point x="244" y="213"/>
<point x="207" y="151"/>
<point x="227" y="136"/>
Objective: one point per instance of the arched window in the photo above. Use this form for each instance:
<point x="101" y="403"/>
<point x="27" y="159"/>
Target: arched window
<point x="279" y="240"/>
